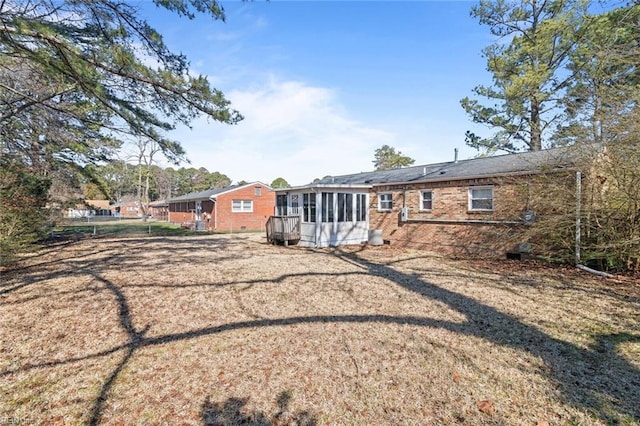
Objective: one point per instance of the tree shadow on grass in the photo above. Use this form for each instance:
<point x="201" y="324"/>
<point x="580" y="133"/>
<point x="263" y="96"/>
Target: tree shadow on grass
<point x="121" y="257"/>
<point x="596" y="380"/>
<point x="233" y="412"/>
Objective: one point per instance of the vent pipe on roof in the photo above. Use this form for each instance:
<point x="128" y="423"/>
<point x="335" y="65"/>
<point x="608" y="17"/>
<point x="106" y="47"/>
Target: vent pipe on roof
<point x="424" y="171"/>
<point x="455" y="155"/>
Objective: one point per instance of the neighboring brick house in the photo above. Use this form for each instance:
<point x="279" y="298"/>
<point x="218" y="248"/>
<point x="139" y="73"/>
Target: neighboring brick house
<point x="128" y="209"/>
<point x="471" y="207"/>
<point x="235" y="208"/>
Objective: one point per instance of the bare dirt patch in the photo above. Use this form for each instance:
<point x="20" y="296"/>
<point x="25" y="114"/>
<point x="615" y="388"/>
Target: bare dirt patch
<point x="229" y="330"/>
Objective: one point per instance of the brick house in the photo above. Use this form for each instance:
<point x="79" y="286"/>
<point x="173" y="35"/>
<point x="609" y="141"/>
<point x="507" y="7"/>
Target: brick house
<point x="128" y="209"/>
<point x="235" y="208"/>
<point x="470" y="207"/>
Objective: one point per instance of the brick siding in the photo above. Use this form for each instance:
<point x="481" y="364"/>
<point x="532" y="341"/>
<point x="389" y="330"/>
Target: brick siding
<point x="447" y="232"/>
<point x="218" y="215"/>
<point x="263" y="207"/>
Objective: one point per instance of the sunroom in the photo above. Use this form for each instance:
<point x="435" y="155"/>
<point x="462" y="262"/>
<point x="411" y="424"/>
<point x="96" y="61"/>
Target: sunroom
<point x="320" y="215"/>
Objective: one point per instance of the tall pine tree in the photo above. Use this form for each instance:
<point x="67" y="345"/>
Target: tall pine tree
<point x="528" y="64"/>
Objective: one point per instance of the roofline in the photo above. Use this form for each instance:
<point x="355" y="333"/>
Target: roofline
<point x="439" y="178"/>
<point x="185" y="197"/>
<point x="214" y="196"/>
<point x="443" y="179"/>
<point x="432" y="180"/>
<point x="179" y="199"/>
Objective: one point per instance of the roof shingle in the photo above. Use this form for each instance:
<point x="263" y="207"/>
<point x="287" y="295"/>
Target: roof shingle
<point x="508" y="164"/>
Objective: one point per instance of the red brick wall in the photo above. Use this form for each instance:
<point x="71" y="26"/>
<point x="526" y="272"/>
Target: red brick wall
<point x="450" y="203"/>
<point x="263" y="207"/>
<point x="130" y="209"/>
<point x="219" y="216"/>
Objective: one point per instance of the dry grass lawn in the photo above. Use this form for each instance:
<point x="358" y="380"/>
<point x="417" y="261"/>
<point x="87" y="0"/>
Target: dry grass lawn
<point x="223" y="330"/>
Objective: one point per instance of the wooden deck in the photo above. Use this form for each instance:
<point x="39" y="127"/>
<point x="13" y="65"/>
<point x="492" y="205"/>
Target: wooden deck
<point x="283" y="229"/>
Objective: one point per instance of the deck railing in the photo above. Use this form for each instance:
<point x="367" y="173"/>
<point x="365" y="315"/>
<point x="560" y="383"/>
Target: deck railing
<point x="283" y="229"/>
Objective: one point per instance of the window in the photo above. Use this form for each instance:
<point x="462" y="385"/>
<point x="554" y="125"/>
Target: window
<point x="242" y="206"/>
<point x="294" y="210"/>
<point x="345" y="207"/>
<point x="258" y="191"/>
<point x="361" y="207"/>
<point x="309" y="207"/>
<point x="327" y="206"/>
<point x="426" y="200"/>
<point x="281" y="204"/>
<point x="385" y="201"/>
<point x="481" y="198"/>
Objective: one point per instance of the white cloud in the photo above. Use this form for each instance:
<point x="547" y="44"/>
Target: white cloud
<point x="291" y="130"/>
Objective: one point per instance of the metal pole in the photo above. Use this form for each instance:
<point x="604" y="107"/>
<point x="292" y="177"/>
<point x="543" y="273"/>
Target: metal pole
<point x="578" y="214"/>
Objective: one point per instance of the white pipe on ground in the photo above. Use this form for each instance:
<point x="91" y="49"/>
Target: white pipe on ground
<point x="594" y="271"/>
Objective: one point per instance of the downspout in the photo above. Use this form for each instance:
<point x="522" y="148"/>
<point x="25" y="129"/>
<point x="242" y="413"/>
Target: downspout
<point x="404" y="212"/>
<point x="578" y="214"/>
<point x="404" y="197"/>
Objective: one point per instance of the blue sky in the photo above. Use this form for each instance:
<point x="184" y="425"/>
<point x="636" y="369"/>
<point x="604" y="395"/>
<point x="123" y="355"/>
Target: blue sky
<point x="323" y="84"/>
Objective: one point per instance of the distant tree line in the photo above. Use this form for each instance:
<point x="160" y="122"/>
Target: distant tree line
<point x="118" y="180"/>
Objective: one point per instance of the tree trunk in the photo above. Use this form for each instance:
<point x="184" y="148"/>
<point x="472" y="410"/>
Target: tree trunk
<point x="536" y="137"/>
<point x="140" y="181"/>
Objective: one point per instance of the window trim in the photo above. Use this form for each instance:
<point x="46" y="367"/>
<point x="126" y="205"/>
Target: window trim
<point x="309" y="206"/>
<point x="422" y="192"/>
<point x="328" y="214"/>
<point x="390" y="201"/>
<point x="282" y="209"/>
<point x="471" y="198"/>
<point x="361" y="207"/>
<point x="242" y="208"/>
